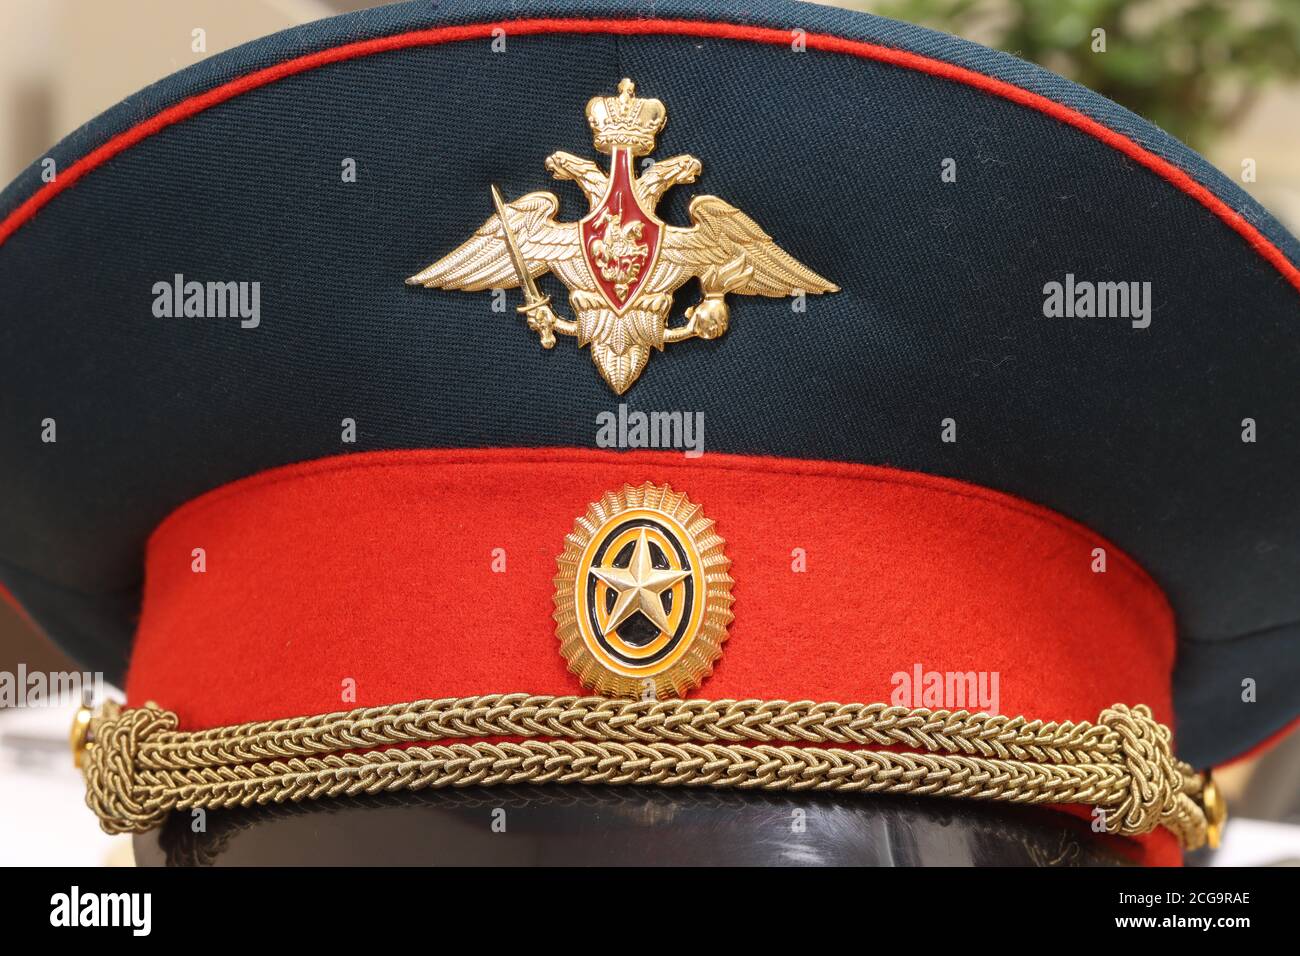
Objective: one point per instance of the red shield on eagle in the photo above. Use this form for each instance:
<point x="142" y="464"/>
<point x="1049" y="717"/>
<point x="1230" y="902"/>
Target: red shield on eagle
<point x="620" y="238"/>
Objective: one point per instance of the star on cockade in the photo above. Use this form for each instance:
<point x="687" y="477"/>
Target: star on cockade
<point x="639" y="587"/>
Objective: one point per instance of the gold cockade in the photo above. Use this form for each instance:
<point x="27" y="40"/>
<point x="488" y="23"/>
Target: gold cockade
<point x="620" y="262"/>
<point x="642" y="594"/>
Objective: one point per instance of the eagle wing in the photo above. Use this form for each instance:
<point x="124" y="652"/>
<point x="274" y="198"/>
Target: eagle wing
<point x="723" y="234"/>
<point x="483" y="260"/>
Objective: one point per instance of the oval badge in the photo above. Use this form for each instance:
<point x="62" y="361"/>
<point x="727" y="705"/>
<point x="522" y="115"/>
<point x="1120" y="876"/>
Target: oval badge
<point x="642" y="597"/>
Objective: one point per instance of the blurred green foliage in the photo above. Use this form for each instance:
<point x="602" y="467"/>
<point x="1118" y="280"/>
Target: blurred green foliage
<point x="1193" y="67"/>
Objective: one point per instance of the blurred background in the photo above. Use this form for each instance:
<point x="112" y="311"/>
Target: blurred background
<point x="1221" y="75"/>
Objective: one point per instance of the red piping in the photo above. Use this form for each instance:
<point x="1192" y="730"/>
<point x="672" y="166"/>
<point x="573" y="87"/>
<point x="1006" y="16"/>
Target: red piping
<point x="1265" y="745"/>
<point x="7" y="597"/>
<point x="728" y="31"/>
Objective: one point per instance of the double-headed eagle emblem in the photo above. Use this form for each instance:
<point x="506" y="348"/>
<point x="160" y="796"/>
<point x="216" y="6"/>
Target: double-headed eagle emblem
<point x="620" y="262"/>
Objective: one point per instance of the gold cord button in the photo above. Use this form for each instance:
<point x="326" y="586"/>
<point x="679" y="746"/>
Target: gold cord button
<point x="1216" y="810"/>
<point x="79" y="736"/>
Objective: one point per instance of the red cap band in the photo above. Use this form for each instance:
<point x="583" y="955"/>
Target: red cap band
<point x="376" y="572"/>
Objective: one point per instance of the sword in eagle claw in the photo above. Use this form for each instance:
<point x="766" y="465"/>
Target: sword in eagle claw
<point x="534" y="302"/>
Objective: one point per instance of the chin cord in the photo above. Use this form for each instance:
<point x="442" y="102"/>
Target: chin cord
<point x="138" y="767"/>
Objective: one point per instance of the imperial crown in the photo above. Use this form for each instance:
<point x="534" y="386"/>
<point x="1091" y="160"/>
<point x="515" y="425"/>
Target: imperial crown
<point x="625" y="120"/>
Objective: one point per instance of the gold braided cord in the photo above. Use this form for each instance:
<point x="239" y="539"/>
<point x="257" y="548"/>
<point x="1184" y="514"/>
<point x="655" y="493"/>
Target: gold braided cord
<point x="603" y="718"/>
<point x="139" y="767"/>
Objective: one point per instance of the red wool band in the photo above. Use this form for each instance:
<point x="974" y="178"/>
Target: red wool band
<point x="379" y="569"/>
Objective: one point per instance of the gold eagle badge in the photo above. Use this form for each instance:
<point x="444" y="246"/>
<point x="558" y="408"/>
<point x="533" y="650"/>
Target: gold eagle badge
<point x="620" y="262"/>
